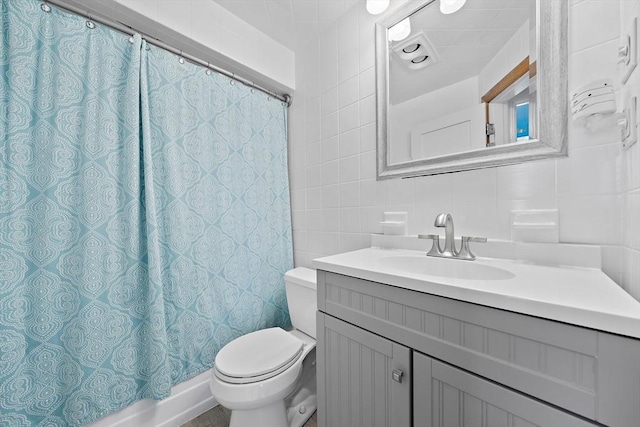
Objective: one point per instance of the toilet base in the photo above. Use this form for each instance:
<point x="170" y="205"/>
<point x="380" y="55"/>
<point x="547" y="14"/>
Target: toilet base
<point x="272" y="415"/>
<point x="285" y="400"/>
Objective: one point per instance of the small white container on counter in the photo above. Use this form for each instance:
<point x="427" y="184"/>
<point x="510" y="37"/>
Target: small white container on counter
<point x="394" y="228"/>
<point x="394" y="224"/>
<point x="535" y="225"/>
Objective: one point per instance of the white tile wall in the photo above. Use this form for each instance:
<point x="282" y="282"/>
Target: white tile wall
<point x="602" y="19"/>
<point x="596" y="189"/>
<point x="630" y="178"/>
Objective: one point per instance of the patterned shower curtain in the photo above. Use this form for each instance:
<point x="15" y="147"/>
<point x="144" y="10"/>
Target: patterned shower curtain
<point x="217" y="199"/>
<point x="144" y="218"/>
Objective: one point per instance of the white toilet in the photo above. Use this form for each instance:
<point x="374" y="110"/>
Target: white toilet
<point x="268" y="378"/>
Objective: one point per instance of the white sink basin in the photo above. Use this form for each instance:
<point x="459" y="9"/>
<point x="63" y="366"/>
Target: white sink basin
<point x="442" y="267"/>
<point x="575" y="295"/>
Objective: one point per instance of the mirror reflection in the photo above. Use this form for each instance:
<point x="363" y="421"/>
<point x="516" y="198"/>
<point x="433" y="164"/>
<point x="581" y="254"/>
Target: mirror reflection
<point x="461" y="77"/>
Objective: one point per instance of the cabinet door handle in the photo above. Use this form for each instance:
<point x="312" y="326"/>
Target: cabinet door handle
<point x="396" y="375"/>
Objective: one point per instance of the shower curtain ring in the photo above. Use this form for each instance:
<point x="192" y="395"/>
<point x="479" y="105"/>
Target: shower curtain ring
<point x="90" y="24"/>
<point x="181" y="60"/>
<point x="232" y="80"/>
<point x="147" y="48"/>
<point x="45" y="7"/>
<point x="208" y="72"/>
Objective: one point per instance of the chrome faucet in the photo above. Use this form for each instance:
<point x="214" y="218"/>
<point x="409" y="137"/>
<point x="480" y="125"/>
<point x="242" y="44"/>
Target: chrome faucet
<point x="445" y="220"/>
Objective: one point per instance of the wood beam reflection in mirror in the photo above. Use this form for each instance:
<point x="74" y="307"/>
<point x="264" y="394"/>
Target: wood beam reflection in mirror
<point x="506" y="82"/>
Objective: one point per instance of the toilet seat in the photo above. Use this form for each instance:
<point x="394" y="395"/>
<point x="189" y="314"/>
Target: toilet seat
<point x="257" y="356"/>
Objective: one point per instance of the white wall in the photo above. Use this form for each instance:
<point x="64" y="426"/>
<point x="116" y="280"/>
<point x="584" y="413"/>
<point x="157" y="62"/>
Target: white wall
<point x="404" y="117"/>
<point x="208" y="31"/>
<point x="505" y="60"/>
<point x="628" y="255"/>
<point x="337" y="201"/>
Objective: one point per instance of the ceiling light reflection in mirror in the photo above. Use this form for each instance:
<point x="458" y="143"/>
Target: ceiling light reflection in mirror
<point x="400" y="31"/>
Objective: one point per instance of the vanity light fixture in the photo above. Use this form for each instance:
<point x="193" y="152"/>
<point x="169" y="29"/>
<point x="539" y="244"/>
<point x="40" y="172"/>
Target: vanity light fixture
<point x="376" y="7"/>
<point x="400" y="31"/>
<point x="451" y="6"/>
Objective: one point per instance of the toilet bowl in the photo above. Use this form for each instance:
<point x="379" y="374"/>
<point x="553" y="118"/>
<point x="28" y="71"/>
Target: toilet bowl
<point x="267" y="378"/>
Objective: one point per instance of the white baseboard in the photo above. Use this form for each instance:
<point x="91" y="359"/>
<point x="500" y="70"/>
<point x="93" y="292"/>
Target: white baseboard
<point x="187" y="400"/>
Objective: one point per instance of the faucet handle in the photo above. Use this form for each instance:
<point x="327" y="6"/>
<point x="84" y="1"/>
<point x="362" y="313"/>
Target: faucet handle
<point x="465" y="249"/>
<point x="475" y="239"/>
<point x="435" y="248"/>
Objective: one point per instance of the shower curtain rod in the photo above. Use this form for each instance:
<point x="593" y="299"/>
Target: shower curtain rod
<point x="131" y="31"/>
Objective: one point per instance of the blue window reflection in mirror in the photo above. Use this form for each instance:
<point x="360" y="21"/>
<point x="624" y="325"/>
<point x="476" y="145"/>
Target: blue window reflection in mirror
<point x="522" y="121"/>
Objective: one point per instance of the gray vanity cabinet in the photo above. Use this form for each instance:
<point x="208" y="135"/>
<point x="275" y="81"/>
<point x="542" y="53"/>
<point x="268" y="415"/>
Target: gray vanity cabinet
<point x="465" y="361"/>
<point x="363" y="379"/>
<point x="448" y="397"/>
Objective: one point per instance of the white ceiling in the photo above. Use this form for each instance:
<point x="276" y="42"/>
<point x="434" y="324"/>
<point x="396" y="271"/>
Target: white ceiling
<point x="292" y="23"/>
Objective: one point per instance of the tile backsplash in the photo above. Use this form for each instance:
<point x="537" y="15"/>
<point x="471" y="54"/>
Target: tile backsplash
<point x="337" y="202"/>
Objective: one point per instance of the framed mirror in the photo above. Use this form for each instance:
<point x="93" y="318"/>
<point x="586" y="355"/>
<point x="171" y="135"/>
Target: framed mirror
<point x="479" y="86"/>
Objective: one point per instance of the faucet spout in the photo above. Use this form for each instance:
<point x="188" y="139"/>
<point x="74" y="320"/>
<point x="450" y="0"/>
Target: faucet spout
<point x="446" y="220"/>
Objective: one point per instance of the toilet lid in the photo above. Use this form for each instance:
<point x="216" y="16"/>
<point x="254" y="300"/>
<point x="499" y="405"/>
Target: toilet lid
<point x="258" y="355"/>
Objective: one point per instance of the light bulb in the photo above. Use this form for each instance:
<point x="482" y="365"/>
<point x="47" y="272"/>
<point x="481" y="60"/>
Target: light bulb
<point x="451" y="6"/>
<point x="376" y="7"/>
<point x="400" y="31"/>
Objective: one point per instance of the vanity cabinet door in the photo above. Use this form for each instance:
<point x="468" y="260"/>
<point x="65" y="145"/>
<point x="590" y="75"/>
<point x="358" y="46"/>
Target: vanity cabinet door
<point x="364" y="380"/>
<point x="445" y="396"/>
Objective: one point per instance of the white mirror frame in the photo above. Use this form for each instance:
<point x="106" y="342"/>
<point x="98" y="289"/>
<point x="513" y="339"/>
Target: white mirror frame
<point x="552" y="87"/>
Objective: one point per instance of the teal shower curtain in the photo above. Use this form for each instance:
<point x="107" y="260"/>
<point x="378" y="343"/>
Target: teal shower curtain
<point x="144" y="217"/>
<point x="217" y="198"/>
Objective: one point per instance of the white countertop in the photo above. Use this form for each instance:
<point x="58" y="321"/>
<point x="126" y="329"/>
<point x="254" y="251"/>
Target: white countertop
<point x="575" y="295"/>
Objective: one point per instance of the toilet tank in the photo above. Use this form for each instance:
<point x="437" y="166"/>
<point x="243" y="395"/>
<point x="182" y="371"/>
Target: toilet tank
<point x="302" y="299"/>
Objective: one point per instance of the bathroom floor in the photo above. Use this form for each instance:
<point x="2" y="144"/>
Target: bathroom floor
<point x="219" y="417"/>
